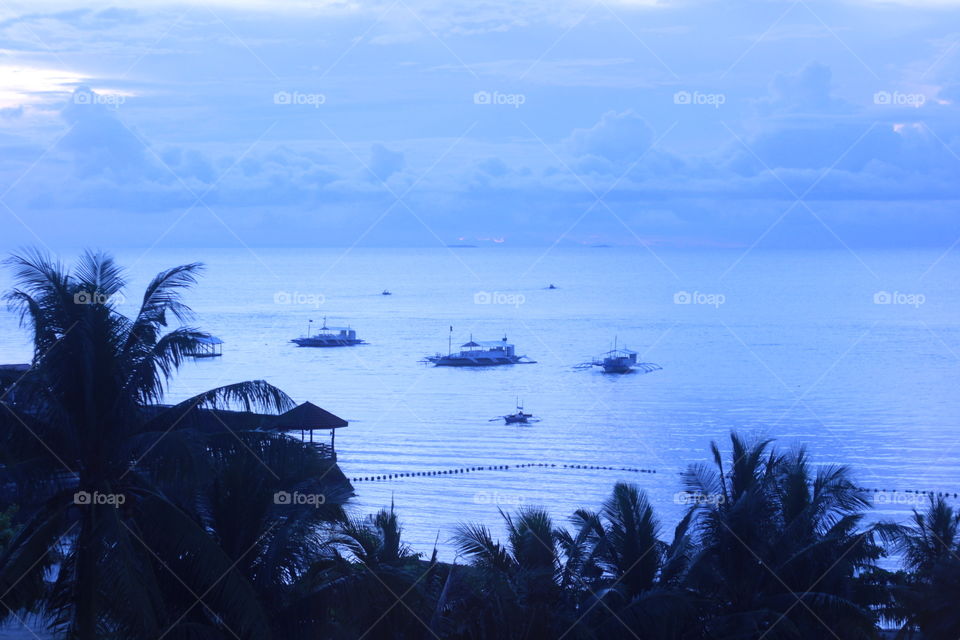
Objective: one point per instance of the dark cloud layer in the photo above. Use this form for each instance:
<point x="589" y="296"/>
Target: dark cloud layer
<point x="610" y="161"/>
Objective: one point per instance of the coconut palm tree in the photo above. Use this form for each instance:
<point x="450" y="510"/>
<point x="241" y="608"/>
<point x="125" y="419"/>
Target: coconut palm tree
<point x="101" y="468"/>
<point x="372" y="585"/>
<point x="516" y="588"/>
<point x="781" y="549"/>
<point x="926" y="598"/>
<point x="271" y="504"/>
<point x="631" y="579"/>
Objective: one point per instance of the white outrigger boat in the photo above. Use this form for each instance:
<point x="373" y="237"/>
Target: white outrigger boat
<point x="479" y="354"/>
<point x="328" y="337"/>
<point x="619" y="361"/>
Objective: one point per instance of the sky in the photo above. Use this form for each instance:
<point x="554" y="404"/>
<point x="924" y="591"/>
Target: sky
<point x="681" y="124"/>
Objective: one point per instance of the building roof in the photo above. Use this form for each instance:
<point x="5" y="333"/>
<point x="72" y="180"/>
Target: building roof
<point x="305" y="416"/>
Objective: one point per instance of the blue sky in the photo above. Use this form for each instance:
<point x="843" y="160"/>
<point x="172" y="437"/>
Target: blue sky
<point x="673" y="124"/>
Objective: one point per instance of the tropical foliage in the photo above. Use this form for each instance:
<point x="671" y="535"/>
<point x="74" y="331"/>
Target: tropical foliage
<point x="136" y="519"/>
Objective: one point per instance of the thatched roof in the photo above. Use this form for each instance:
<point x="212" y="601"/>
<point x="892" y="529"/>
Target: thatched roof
<point x="305" y="416"/>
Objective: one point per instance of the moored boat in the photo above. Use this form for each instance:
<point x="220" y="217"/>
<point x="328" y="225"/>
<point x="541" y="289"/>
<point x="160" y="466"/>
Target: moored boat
<point x="619" y="361"/>
<point x="328" y="337"/>
<point x="480" y="354"/>
<point x="517" y="418"/>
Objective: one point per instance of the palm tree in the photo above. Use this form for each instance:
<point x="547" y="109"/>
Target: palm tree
<point x="926" y="598"/>
<point x="271" y="504"/>
<point x="516" y="587"/>
<point x="630" y="582"/>
<point x="101" y="469"/>
<point x="372" y="585"/>
<point x="781" y="550"/>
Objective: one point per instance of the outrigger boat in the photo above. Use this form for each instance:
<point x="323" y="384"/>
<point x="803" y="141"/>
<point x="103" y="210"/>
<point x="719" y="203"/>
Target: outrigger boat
<point x="619" y="361"/>
<point x="517" y="418"/>
<point x="328" y="337"/>
<point x="207" y="347"/>
<point x="479" y="354"/>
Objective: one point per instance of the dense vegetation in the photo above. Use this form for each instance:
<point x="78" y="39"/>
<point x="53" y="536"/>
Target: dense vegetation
<point x="122" y="518"/>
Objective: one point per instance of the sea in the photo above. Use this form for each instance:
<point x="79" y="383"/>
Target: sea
<point x="854" y="355"/>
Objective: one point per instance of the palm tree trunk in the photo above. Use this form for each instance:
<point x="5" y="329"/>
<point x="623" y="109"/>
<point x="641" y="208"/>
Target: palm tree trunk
<point x="85" y="594"/>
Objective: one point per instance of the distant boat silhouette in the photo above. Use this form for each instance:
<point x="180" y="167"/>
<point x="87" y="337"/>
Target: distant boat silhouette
<point x="619" y="361"/>
<point x="517" y="418"/>
<point x="478" y="354"/>
<point x="328" y="337"/>
<point x="386" y="293"/>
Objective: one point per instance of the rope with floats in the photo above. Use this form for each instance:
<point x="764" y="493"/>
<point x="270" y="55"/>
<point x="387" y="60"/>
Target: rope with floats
<point x="498" y="467"/>
<point x="908" y="493"/>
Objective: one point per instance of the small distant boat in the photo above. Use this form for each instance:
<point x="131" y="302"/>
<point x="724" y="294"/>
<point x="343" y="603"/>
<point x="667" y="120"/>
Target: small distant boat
<point x="386" y="293"/>
<point x="328" y="337"/>
<point x="517" y="418"/>
<point x="479" y="354"/>
<point x="207" y="347"/>
<point x="619" y="361"/>
<point x="552" y="286"/>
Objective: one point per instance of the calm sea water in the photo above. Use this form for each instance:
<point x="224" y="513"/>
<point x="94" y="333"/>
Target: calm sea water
<point x="786" y="344"/>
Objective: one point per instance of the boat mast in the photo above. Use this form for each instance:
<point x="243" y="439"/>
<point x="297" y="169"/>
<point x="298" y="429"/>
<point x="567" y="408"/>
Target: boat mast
<point x="309" y="324"/>
<point x="450" y="341"/>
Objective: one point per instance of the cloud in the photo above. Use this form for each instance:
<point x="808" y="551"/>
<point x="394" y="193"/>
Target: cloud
<point x="100" y="143"/>
<point x="384" y="162"/>
<point x="199" y="116"/>
<point x="617" y="138"/>
<point x="807" y="91"/>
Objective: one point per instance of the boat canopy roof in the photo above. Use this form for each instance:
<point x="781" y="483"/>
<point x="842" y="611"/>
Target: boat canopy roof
<point x="326" y="328"/>
<point x="209" y="340"/>
<point x="615" y="352"/>
<point x="486" y="343"/>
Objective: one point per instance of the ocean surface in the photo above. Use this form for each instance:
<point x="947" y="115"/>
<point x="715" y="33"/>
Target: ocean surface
<point x="804" y="347"/>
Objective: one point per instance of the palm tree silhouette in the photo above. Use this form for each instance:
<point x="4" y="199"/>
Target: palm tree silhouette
<point x="107" y="472"/>
<point x="927" y="597"/>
